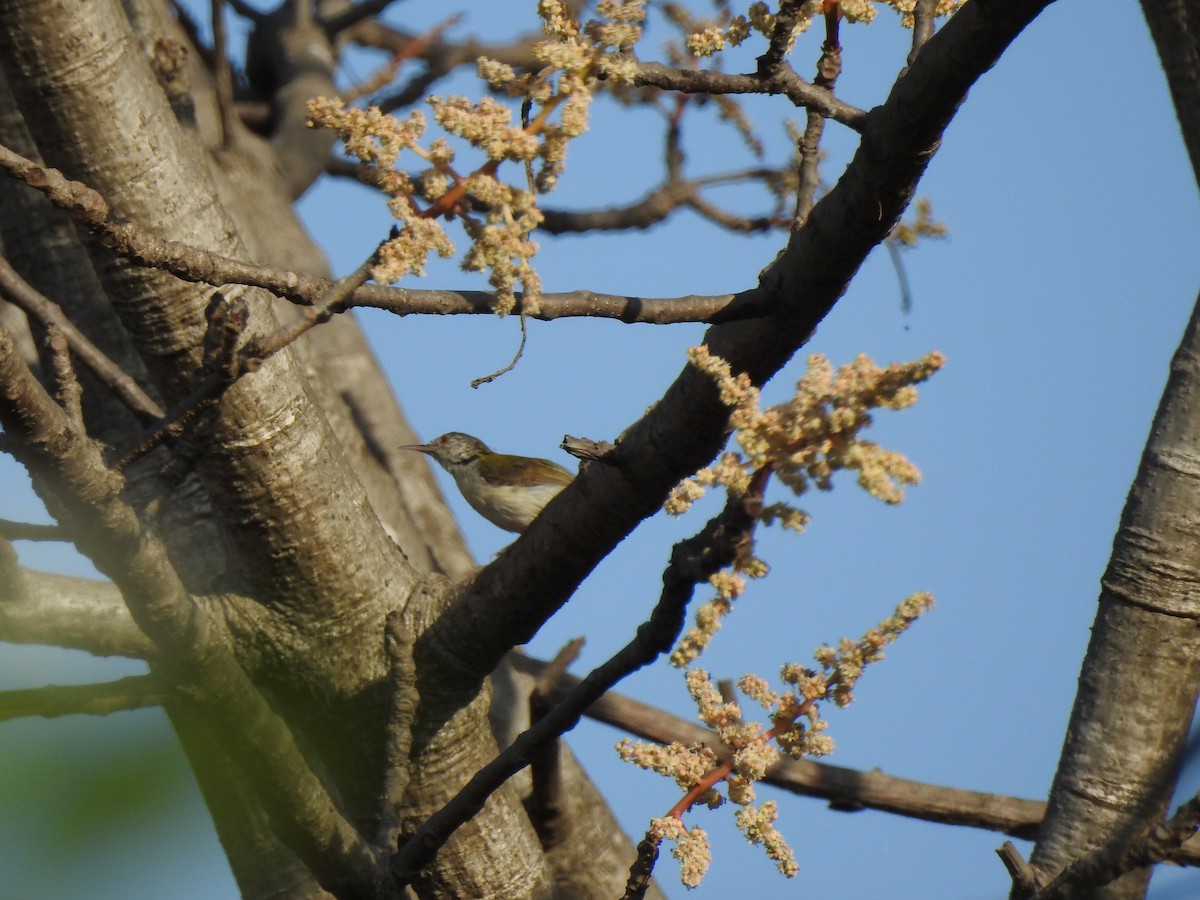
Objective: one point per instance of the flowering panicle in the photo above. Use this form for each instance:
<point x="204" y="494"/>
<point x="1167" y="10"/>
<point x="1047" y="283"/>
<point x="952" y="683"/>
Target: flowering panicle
<point x="803" y="441"/>
<point x="577" y="60"/>
<point x="815" y="433"/>
<point x="844" y="664"/>
<point x="712" y="37"/>
<point x="796" y="728"/>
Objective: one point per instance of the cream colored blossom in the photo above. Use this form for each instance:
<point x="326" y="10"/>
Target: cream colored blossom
<point x="758" y="824"/>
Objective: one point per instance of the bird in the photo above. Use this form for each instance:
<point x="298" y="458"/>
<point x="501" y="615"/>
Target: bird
<point x="508" y="491"/>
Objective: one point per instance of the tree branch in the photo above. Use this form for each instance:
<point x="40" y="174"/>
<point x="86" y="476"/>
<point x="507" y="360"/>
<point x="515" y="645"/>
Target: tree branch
<point x="845" y="789"/>
<point x="84" y="495"/>
<point x="61" y="611"/>
<point x="692" y="562"/>
<point x="924" y="12"/>
<point x="197" y="265"/>
<point x="21" y="294"/>
<point x="134" y="692"/>
<point x="1105" y="864"/>
<point x="27" y="531"/>
<point x="784" y="81"/>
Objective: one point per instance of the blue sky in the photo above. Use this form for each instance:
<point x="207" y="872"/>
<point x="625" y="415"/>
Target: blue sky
<point x="1058" y="299"/>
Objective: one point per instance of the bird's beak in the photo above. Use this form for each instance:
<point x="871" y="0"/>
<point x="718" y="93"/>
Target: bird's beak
<point x="420" y="448"/>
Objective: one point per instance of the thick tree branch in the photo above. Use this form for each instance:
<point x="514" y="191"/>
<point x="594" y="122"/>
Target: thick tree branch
<point x="1124" y="745"/>
<point x="85" y="496"/>
<point x="1175" y="27"/>
<point x="1101" y="867"/>
<point x="61" y="611"/>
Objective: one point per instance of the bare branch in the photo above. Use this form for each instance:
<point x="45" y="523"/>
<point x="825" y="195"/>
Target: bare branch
<point x="829" y="66"/>
<point x="86" y="498"/>
<point x="924" y="12"/>
<point x="223" y="74"/>
<point x="441" y="56"/>
<point x="845" y="789"/>
<point x="359" y="12"/>
<point x="134" y="692"/>
<point x="786" y="20"/>
<point x="64" y="385"/>
<point x="413" y="48"/>
<point x="586" y="448"/>
<point x="548" y="808"/>
<point x="487" y="379"/>
<point x="197" y="265"/>
<point x="785" y="81"/>
<point x="27" y="531"/>
<point x="62" y="611"/>
<point x="22" y="294"/>
<point x="1024" y="876"/>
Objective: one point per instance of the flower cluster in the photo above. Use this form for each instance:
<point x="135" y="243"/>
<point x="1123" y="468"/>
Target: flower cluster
<point x="844" y="664"/>
<point x="796" y="728"/>
<point x="691" y="847"/>
<point x="812" y="435"/>
<point x="497" y="217"/>
<point x="802" y="441"/>
<point x="712" y="38"/>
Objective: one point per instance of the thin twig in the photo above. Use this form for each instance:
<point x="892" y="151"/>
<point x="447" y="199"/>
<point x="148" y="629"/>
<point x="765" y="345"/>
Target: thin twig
<point x="906" y="301"/>
<point x="351" y="16"/>
<point x="52" y="700"/>
<point x="829" y="66"/>
<point x="786" y="20"/>
<point x="27" y="531"/>
<point x="65" y="387"/>
<point x="476" y="382"/>
<point x="784" y="81"/>
<point x="1024" y="876"/>
<point x="413" y="48"/>
<point x="586" y="449"/>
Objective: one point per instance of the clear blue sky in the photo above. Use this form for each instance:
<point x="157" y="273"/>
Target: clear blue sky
<point x="1058" y="299"/>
